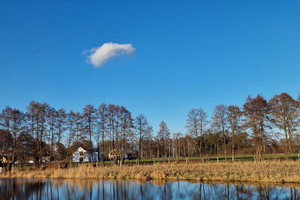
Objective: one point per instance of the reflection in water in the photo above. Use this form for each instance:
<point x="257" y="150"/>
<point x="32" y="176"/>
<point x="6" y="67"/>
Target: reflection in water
<point x="122" y="189"/>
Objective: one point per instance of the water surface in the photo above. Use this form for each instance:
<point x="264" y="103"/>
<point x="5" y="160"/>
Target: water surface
<point x="128" y="189"/>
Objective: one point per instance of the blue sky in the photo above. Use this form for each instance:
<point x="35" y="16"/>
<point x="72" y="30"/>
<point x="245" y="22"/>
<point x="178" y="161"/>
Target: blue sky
<point x="187" y="54"/>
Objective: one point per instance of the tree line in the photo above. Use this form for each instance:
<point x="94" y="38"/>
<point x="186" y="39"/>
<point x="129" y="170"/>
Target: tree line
<point x="258" y="127"/>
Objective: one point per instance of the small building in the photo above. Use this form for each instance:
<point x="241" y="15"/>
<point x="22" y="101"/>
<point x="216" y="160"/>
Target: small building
<point x="3" y="163"/>
<point x="3" y="160"/>
<point x="46" y="159"/>
<point x="82" y="155"/>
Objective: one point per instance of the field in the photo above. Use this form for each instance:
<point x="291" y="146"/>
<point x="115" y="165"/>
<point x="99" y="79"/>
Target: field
<point x="207" y="158"/>
<point x="268" y="171"/>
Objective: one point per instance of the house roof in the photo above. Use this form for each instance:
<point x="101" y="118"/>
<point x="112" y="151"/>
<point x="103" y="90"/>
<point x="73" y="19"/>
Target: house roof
<point x="81" y="149"/>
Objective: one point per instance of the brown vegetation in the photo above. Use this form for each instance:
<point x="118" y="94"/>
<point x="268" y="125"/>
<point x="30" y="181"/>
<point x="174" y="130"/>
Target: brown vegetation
<point x="265" y="171"/>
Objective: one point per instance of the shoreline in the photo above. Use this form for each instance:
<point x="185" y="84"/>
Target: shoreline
<point x="279" y="172"/>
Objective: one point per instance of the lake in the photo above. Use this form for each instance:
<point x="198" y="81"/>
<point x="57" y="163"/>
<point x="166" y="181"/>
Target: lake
<point x="127" y="189"/>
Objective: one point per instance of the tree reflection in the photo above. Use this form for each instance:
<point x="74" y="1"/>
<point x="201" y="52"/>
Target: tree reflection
<point x="21" y="189"/>
<point x="127" y="189"/>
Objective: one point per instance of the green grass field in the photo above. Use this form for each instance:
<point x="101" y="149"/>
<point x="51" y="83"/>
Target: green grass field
<point x="206" y="159"/>
<point x="151" y="161"/>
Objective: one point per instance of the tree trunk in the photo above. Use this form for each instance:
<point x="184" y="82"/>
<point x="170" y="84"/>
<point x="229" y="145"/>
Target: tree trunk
<point x="286" y="144"/>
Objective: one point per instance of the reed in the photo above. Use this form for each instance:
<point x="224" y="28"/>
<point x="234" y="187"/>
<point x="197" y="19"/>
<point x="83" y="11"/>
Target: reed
<point x="244" y="171"/>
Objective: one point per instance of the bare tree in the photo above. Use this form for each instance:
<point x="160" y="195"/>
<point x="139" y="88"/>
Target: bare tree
<point x="285" y="116"/>
<point x="176" y="146"/>
<point x="195" y="123"/>
<point x="73" y="127"/>
<point x="164" y="137"/>
<point x="89" y="123"/>
<point x="37" y="122"/>
<point x="143" y="130"/>
<point x="44" y="131"/>
<point x="234" y="115"/>
<point x="256" y="111"/>
<point x="13" y="120"/>
<point x="111" y="117"/>
<point x="220" y="122"/>
<point x="6" y="145"/>
<point x="102" y="121"/>
<point x="5" y="118"/>
<point x="126" y="126"/>
<point x="6" y="141"/>
<point x="25" y="147"/>
<point x="51" y="124"/>
<point x="61" y="123"/>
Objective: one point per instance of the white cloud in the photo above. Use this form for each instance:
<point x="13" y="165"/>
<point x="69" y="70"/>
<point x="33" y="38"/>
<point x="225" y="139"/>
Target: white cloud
<point x="100" y="55"/>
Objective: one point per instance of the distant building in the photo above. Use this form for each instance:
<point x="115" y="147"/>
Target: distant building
<point x="3" y="163"/>
<point x="46" y="159"/>
<point x="3" y="160"/>
<point x="82" y="155"/>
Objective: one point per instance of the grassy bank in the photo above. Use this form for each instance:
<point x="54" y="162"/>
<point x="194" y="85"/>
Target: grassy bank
<point x="209" y="158"/>
<point x="243" y="171"/>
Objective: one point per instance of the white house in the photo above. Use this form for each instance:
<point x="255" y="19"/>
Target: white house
<point x="80" y="155"/>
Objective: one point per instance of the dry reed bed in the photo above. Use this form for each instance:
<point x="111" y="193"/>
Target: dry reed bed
<point x="266" y="171"/>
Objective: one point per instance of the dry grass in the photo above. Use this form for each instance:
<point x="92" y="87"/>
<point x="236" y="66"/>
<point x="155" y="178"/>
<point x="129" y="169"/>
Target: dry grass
<point x="263" y="172"/>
